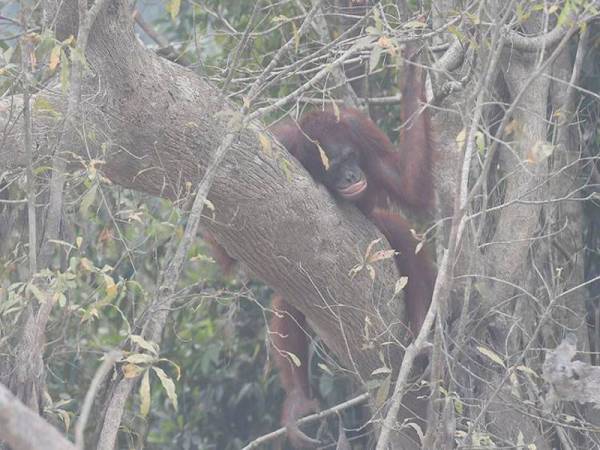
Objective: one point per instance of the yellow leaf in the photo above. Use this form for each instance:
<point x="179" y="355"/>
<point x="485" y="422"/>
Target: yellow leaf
<point x="370" y="247"/>
<point x="294" y="359"/>
<point x="514" y="381"/>
<point x="140" y="358"/>
<point x="400" y="284"/>
<point x="382" y="370"/>
<point x="384" y="42"/>
<point x="65" y="417"/>
<point x="336" y="110"/>
<point x="381" y="255"/>
<point x="324" y="158"/>
<point x="145" y="394"/>
<point x="177" y="368"/>
<point x="265" y="144"/>
<point x="132" y="370"/>
<point x="69" y="40"/>
<point x="110" y="286"/>
<point x="325" y="368"/>
<point x="167" y="384"/>
<point x="491" y="355"/>
<point x="371" y="271"/>
<point x="355" y="270"/>
<point x="143" y="343"/>
<point x="527" y="370"/>
<point x="461" y="137"/>
<point x="54" y="57"/>
<point x="86" y="264"/>
<point x="65" y="75"/>
<point x="520" y="439"/>
<point x="419" y="247"/>
<point x="540" y="152"/>
<point x="511" y="127"/>
<point x="173" y="7"/>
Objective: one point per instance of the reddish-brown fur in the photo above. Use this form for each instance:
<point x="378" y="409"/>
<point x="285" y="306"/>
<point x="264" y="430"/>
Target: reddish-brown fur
<point x="401" y="176"/>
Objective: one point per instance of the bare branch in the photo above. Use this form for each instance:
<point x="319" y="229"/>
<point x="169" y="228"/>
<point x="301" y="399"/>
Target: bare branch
<point x="309" y="419"/>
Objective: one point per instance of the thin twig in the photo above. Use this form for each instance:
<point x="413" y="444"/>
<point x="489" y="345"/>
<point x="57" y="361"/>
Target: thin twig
<point x="258" y="86"/>
<point x="241" y="46"/>
<point x="308" y="419"/>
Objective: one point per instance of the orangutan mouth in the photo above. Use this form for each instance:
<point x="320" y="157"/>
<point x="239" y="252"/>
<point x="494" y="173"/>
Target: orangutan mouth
<point x="354" y="190"/>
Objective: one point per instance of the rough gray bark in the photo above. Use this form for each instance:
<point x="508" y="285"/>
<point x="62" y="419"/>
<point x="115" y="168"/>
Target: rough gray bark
<point x="23" y="429"/>
<point x="515" y="248"/>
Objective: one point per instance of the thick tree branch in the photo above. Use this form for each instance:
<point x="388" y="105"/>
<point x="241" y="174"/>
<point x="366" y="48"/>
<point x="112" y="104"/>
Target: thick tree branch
<point x="23" y="429"/>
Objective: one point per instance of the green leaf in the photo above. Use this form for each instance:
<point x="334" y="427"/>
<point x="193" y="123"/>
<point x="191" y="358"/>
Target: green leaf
<point x="565" y="14"/>
<point x="43" y="105"/>
<point x="296" y="37"/>
<point x="459" y="407"/>
<point x="383" y="392"/>
<point x="88" y="200"/>
<point x="62" y="300"/>
<point x="375" y="57"/>
<point x="36" y="292"/>
<point x="173" y="7"/>
<point x="480" y="141"/>
<point x="414" y="25"/>
<point x="378" y="21"/>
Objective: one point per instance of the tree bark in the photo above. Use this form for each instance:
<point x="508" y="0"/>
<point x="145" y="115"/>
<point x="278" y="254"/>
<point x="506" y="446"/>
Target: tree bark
<point x="23" y="429"/>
